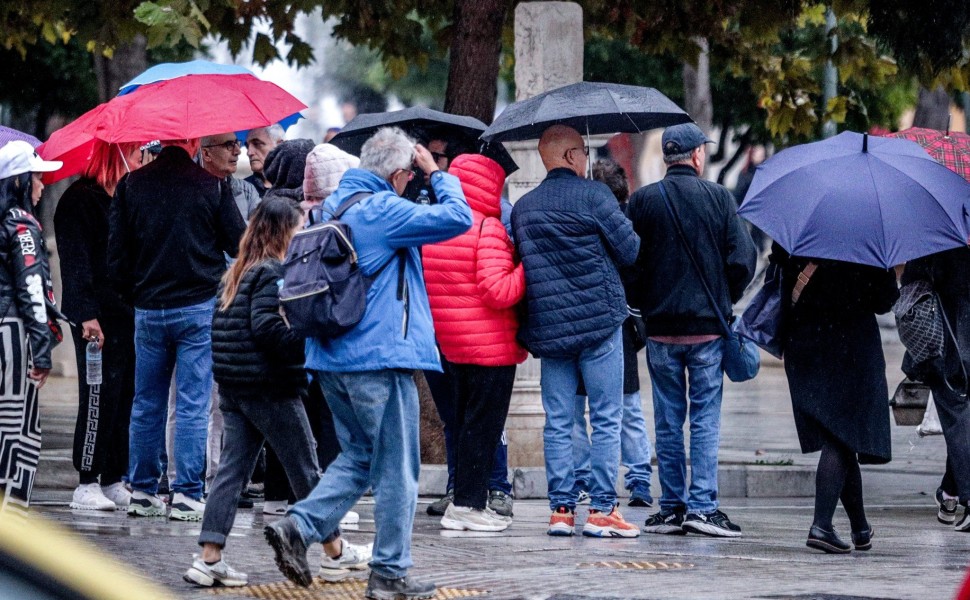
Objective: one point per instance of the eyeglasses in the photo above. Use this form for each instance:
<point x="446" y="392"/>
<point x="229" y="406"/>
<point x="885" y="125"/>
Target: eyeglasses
<point x="229" y="146"/>
<point x="408" y="171"/>
<point x="438" y="156"/>
<point x="585" y="150"/>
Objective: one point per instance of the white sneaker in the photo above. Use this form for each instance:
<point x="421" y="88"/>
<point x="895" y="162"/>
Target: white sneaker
<point x="352" y="557"/>
<point x="119" y="494"/>
<point x="185" y="508"/>
<point x="462" y="518"/>
<point x="275" y="507"/>
<point x="351" y="518"/>
<point x="145" y="505"/>
<point x="214" y="575"/>
<point x="89" y="497"/>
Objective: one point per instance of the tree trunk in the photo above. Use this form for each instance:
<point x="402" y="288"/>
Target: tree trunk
<point x="475" y="47"/>
<point x="128" y="61"/>
<point x="697" y="89"/>
<point x="933" y="109"/>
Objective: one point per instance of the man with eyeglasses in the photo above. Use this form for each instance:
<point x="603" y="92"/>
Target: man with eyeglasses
<point x="170" y="226"/>
<point x="573" y="240"/>
<point x="219" y="156"/>
<point x="259" y="142"/>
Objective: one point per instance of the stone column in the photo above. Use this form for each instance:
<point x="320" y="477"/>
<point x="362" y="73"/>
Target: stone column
<point x="548" y="54"/>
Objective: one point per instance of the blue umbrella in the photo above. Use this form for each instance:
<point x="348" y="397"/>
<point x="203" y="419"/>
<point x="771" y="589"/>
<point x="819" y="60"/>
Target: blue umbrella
<point x="873" y="201"/>
<point x="166" y="71"/>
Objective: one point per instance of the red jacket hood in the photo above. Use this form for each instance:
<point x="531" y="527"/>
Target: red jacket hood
<point x="481" y="180"/>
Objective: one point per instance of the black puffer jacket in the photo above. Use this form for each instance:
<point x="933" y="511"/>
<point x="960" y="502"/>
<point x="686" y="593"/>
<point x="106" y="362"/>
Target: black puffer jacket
<point x="252" y="347"/>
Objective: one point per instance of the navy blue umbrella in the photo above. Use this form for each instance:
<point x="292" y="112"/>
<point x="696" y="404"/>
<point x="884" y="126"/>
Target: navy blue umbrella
<point x="866" y="200"/>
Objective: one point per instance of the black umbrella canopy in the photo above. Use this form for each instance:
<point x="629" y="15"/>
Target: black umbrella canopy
<point x="589" y="108"/>
<point x="497" y="152"/>
<point x="416" y="121"/>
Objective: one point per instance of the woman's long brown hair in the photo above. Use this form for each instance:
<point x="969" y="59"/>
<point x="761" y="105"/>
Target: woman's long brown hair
<point x="270" y="229"/>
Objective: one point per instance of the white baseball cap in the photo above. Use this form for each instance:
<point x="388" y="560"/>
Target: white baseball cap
<point x="18" y="157"/>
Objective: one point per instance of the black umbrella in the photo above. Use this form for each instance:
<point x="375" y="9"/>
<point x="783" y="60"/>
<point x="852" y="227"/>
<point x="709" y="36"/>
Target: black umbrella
<point x="416" y="121"/>
<point x="497" y="152"/>
<point x="589" y="108"/>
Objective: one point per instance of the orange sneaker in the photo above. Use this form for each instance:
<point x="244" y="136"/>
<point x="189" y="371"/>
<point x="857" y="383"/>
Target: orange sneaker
<point x="562" y="522"/>
<point x="600" y="524"/>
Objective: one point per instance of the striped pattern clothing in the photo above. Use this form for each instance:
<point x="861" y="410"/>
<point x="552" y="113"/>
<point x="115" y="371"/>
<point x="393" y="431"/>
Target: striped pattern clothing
<point x="19" y="419"/>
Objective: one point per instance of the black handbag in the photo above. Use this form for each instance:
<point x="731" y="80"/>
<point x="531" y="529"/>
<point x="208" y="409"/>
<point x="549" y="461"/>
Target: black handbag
<point x="740" y="358"/>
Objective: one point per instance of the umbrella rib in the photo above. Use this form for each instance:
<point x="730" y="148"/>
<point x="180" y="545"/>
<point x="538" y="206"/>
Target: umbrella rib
<point x="882" y="221"/>
<point x="622" y="112"/>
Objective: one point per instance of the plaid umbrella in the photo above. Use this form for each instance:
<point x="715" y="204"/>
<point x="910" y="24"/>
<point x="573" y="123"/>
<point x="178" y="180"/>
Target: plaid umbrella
<point x="951" y="149"/>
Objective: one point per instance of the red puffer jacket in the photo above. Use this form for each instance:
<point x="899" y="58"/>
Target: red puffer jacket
<point x="473" y="282"/>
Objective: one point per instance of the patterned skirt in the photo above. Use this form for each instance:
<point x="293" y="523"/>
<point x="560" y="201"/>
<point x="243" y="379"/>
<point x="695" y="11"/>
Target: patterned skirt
<point x="19" y="419"/>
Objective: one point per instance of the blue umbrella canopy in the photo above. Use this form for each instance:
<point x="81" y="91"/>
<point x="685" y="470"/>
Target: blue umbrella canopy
<point x="867" y="200"/>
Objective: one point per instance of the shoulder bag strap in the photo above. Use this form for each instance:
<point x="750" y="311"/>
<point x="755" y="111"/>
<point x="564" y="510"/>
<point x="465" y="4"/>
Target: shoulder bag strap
<point x="340" y="210"/>
<point x="697" y="267"/>
<point x="803" y="278"/>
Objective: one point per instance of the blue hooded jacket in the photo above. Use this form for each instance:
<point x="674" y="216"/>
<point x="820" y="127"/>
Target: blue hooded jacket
<point x="393" y="334"/>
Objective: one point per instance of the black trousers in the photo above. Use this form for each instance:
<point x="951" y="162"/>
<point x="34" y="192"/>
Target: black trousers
<point x="328" y="447"/>
<point x="483" y="395"/>
<point x="104" y="411"/>
<point x="954" y="413"/>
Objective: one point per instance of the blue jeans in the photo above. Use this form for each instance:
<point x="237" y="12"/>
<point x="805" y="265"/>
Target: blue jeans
<point x="702" y="363"/>
<point x="170" y="339"/>
<point x="634" y="448"/>
<point x="602" y="371"/>
<point x="375" y="414"/>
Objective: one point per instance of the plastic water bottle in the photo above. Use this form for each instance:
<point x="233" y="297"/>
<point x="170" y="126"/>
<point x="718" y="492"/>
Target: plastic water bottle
<point x="423" y="197"/>
<point x="92" y="361"/>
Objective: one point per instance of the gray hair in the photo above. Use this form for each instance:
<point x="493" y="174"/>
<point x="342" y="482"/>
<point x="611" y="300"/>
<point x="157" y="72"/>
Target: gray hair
<point x="388" y="150"/>
<point x="207" y="140"/>
<point x="274" y="131"/>
<point x="670" y="159"/>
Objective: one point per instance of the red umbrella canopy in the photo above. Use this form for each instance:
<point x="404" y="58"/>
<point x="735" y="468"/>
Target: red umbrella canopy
<point x="951" y="149"/>
<point x="194" y="106"/>
<point x="72" y="145"/>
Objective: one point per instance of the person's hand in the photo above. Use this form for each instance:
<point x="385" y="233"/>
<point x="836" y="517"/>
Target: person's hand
<point x="39" y="376"/>
<point x="424" y="160"/>
<point x="91" y="330"/>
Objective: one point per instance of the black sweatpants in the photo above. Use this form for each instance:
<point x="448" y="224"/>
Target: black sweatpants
<point x="104" y="411"/>
<point x="483" y="395"/>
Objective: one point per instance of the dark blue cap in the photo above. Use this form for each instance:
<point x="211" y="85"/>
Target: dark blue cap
<point x="681" y="139"/>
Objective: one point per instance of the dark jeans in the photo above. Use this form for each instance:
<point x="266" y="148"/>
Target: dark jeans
<point x="250" y="420"/>
<point x="104" y="411"/>
<point x="954" y="415"/>
<point x="327" y="445"/>
<point x="443" y="394"/>
<point x="482" y="395"/>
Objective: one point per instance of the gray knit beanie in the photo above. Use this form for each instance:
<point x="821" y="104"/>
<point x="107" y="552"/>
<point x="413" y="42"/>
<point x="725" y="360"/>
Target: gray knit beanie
<point x="325" y="165"/>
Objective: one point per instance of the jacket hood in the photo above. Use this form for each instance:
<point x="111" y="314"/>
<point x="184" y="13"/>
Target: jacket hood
<point x="294" y="196"/>
<point x="481" y="180"/>
<point x="286" y="163"/>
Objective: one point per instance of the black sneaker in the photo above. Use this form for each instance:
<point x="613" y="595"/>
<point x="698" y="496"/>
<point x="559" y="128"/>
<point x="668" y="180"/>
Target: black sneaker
<point x="290" y="549"/>
<point x="716" y="524"/>
<point x="404" y="588"/>
<point x="640" y="502"/>
<point x="964" y="523"/>
<point x="439" y="506"/>
<point x="948" y="508"/>
<point x="669" y="522"/>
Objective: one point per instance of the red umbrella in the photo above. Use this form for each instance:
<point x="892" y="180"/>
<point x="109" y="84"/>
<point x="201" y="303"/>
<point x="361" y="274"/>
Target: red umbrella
<point x="72" y="145"/>
<point x="194" y="106"/>
<point x="950" y="149"/>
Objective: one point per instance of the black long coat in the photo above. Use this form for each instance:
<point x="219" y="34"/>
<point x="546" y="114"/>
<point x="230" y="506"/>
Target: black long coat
<point x="833" y="355"/>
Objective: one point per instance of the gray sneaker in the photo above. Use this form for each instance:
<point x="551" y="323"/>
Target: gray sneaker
<point x="964" y="523"/>
<point x="352" y="558"/>
<point x="438" y="507"/>
<point x="218" y="574"/>
<point x="500" y="503"/>
<point x="404" y="588"/>
<point x="948" y="508"/>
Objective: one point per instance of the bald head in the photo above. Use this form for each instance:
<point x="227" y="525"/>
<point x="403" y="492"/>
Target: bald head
<point x="561" y="146"/>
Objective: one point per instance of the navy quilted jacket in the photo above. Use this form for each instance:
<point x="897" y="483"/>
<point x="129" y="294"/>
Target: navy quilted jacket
<point x="572" y="238"/>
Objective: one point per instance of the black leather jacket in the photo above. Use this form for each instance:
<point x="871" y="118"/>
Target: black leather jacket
<point x="26" y="288"/>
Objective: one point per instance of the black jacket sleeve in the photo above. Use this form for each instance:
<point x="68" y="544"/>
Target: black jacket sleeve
<point x="119" y="251"/>
<point x="29" y="268"/>
<point x="72" y="221"/>
<point x="270" y="331"/>
<point x="230" y="226"/>
<point x="740" y="255"/>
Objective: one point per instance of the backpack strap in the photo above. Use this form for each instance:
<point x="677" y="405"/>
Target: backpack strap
<point x="345" y="206"/>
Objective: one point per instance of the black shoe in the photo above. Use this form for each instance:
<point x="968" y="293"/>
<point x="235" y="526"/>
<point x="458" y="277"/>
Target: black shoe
<point x="714" y="524"/>
<point x="862" y="540"/>
<point x="290" y="549"/>
<point x="964" y="523"/>
<point x="640" y="502"/>
<point x="404" y="588"/>
<point x="826" y="541"/>
<point x="439" y="506"/>
<point x="669" y="522"/>
<point x="500" y="503"/>
<point x="948" y="508"/>
<point x="244" y="502"/>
